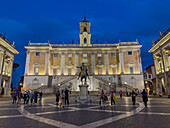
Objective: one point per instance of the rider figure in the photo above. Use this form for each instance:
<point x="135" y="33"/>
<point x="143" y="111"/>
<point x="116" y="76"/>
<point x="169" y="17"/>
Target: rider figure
<point x="83" y="68"/>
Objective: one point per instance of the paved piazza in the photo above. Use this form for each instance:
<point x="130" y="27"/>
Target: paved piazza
<point x="85" y="114"/>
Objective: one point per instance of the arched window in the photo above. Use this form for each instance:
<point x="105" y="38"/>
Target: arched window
<point x="85" y="40"/>
<point x="85" y="30"/>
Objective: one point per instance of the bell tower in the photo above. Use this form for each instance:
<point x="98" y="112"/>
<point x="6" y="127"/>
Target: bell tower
<point x="85" y="36"/>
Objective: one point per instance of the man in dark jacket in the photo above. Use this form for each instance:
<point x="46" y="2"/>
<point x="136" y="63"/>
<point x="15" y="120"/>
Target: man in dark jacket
<point x="66" y="96"/>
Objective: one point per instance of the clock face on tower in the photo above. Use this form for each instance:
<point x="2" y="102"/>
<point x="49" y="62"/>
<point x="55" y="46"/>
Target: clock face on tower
<point x="85" y="34"/>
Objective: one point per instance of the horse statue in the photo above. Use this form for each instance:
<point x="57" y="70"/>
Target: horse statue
<point x="83" y="73"/>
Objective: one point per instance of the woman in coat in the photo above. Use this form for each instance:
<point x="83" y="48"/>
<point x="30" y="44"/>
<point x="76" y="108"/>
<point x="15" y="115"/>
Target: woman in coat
<point x="57" y="97"/>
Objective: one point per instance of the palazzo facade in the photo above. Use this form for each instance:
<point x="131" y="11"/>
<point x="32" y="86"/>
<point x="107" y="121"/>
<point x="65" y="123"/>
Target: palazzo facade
<point x="161" y="55"/>
<point x="110" y="66"/>
<point x="7" y="52"/>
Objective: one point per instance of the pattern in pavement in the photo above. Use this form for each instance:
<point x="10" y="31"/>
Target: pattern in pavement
<point x="85" y="114"/>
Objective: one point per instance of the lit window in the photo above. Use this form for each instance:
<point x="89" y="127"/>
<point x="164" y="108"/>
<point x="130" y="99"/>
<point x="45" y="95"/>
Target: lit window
<point x="54" y="71"/>
<point x="69" y="71"/>
<point x="112" y="54"/>
<point x="36" y="69"/>
<point x="99" y="71"/>
<point x="129" y="52"/>
<point x="55" y="55"/>
<point x="37" y="53"/>
<point x="99" y="55"/>
<point x="131" y="70"/>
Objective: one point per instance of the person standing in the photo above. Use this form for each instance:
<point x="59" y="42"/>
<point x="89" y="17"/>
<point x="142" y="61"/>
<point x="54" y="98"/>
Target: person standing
<point x="62" y="98"/>
<point x="14" y="97"/>
<point x="120" y="92"/>
<point x="40" y="100"/>
<point x="32" y="97"/>
<point x="133" y="97"/>
<point x="25" y="96"/>
<point x="19" y="97"/>
<point x="145" y="97"/>
<point x="101" y="98"/>
<point x="57" y="97"/>
<point x="35" y="96"/>
<point x="112" y="98"/>
<point x="66" y="96"/>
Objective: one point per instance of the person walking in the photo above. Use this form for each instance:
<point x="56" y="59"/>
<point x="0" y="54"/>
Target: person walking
<point x="57" y="97"/>
<point x="101" y="98"/>
<point x="62" y="98"/>
<point x="133" y="97"/>
<point x="112" y="97"/>
<point x="40" y="98"/>
<point x="66" y="96"/>
<point x="14" y="97"/>
<point x="145" y="97"/>
<point x="120" y="92"/>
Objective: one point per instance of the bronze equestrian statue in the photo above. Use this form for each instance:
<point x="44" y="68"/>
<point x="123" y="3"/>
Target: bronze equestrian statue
<point x="83" y="73"/>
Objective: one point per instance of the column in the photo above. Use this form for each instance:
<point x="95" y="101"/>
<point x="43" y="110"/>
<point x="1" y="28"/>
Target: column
<point x="62" y="63"/>
<point x="106" y="62"/>
<point x="1" y="62"/>
<point x="27" y="63"/>
<point x="139" y="61"/>
<point x="165" y="74"/>
<point x="49" y="62"/>
<point x="76" y="63"/>
<point x="46" y="63"/>
<point x="93" y="63"/>
<point x="121" y="62"/>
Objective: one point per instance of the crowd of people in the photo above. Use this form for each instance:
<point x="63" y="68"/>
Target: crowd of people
<point x="113" y="98"/>
<point x="28" y="97"/>
<point x="62" y="98"/>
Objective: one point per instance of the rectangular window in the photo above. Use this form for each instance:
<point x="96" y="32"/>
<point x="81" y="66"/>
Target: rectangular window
<point x="99" y="71"/>
<point x="114" y="70"/>
<point x="99" y="55"/>
<point x="55" y="55"/>
<point x="69" y="71"/>
<point x="36" y="70"/>
<point x="150" y="76"/>
<point x="37" y="54"/>
<point x="112" y="54"/>
<point x="55" y="71"/>
<point x="129" y="52"/>
<point x="131" y="70"/>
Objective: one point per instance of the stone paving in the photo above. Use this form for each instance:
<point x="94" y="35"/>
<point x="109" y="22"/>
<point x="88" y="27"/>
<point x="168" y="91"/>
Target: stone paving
<point x="83" y="114"/>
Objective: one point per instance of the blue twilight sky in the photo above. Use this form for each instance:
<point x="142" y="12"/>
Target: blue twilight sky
<point x="58" y="21"/>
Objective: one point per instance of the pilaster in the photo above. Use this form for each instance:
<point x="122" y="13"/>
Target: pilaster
<point x="106" y="62"/>
<point x="62" y="63"/>
<point x="27" y="63"/>
<point x="121" y="62"/>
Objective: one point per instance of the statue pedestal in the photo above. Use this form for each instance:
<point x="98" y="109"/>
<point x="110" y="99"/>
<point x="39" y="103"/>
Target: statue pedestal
<point x="83" y="91"/>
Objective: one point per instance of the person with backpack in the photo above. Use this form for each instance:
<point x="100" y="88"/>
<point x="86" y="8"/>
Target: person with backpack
<point x="66" y="96"/>
<point x="112" y="98"/>
<point x="145" y="97"/>
<point x="14" y="97"/>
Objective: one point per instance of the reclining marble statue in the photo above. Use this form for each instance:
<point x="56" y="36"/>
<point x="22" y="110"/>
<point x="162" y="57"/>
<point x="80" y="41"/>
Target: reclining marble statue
<point x="83" y="73"/>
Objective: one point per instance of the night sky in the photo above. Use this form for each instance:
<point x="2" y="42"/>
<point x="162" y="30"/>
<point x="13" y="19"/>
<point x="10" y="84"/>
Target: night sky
<point x="58" y="21"/>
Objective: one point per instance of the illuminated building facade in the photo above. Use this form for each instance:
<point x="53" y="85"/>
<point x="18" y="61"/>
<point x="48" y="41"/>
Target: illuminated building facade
<point x="161" y="55"/>
<point x="111" y="66"/>
<point x="7" y="52"/>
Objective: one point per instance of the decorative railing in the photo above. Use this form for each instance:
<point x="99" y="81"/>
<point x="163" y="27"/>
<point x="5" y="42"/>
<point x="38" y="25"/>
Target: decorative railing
<point x="6" y="40"/>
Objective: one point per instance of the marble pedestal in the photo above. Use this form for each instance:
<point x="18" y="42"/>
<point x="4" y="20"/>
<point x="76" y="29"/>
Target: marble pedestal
<point x="83" y="91"/>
